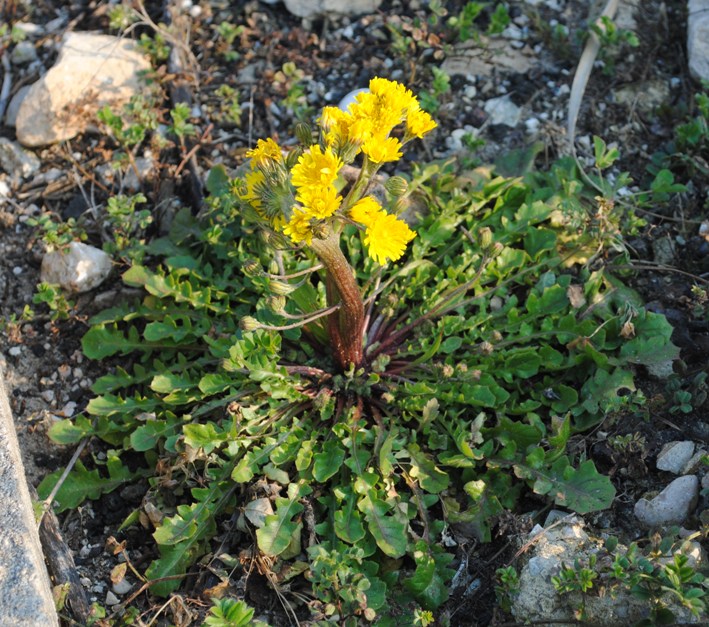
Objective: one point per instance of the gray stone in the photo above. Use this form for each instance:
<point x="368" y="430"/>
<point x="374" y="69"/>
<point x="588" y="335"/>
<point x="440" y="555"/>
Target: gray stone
<point x="674" y="456"/>
<point x="14" y="106"/>
<point x="16" y="161"/>
<point x="645" y="95"/>
<point x="695" y="464"/>
<point x="24" y="52"/>
<point x="705" y="482"/>
<point x="472" y="59"/>
<point x="661" y="370"/>
<point x="112" y="599"/>
<point x="25" y="592"/>
<point x="91" y="71"/>
<point x="77" y="269"/>
<point x="316" y="8"/>
<point x="672" y="506"/>
<point x="502" y="111"/>
<point x="561" y="545"/>
<point x="698" y="39"/>
<point x="122" y="587"/>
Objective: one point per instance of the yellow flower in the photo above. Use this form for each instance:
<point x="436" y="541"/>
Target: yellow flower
<point x="387" y="237"/>
<point x="319" y="202"/>
<point x="250" y="194"/>
<point x="365" y="210"/>
<point x="418" y="122"/>
<point x="316" y="167"/>
<point x="265" y="151"/>
<point x="382" y="149"/>
<point x="298" y="228"/>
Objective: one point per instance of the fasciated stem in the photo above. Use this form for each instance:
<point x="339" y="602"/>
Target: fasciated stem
<point x="345" y="325"/>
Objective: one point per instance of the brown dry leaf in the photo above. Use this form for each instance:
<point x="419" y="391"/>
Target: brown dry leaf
<point x="628" y="330"/>
<point x="118" y="573"/>
<point x="217" y="591"/>
<point x="575" y="295"/>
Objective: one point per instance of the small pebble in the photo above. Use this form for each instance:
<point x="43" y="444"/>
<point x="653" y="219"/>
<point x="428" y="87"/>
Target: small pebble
<point x="15" y="351"/>
<point x="674" y="456"/>
<point x="122" y="587"/>
<point x="17" y="271"/>
<point x="112" y="599"/>
<point x="48" y="395"/>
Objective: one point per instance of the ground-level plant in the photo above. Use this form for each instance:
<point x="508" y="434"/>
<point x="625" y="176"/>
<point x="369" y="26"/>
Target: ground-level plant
<point x="285" y="379"/>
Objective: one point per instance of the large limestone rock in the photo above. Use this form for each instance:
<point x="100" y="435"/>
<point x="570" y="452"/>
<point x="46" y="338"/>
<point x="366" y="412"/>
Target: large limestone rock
<point x="315" y="8"/>
<point x="77" y="269"/>
<point x="698" y="38"/>
<point x="91" y="71"/>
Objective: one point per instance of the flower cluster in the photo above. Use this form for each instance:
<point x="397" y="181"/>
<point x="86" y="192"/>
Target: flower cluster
<point x="299" y="194"/>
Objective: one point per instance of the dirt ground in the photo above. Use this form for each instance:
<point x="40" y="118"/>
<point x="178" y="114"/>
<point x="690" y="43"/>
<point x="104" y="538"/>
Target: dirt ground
<point x="48" y="377"/>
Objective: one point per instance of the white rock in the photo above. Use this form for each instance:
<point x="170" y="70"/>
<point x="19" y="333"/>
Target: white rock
<point x="14" y="106"/>
<point x="28" y="28"/>
<point x="122" y="587"/>
<point x="145" y="166"/>
<point x="672" y="506"/>
<point x="15" y="351"/>
<point x="112" y="599"/>
<point x="351" y="98"/>
<point x="502" y="111"/>
<point x="695" y="463"/>
<point x="16" y="161"/>
<point x="79" y="269"/>
<point x="674" y="456"/>
<point x="91" y="71"/>
<point x="698" y="39"/>
<point x="24" y="52"/>
<point x="315" y="8"/>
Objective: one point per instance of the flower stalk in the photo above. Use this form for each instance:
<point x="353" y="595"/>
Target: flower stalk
<point x="346" y="325"/>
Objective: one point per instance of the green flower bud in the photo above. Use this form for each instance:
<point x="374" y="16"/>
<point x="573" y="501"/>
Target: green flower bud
<point x="485" y="236"/>
<point x="252" y="267"/>
<point x="495" y="250"/>
<point x="280" y="288"/>
<point x="249" y="323"/>
<point x="276" y="303"/>
<point x="304" y="134"/>
<point x="396" y="185"/>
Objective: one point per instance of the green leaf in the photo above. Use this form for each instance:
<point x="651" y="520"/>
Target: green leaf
<point x="430" y="478"/>
<point x="538" y="240"/>
<point x="277" y="533"/>
<point x="348" y="521"/>
<point x="389" y="530"/>
<point x="217" y="181"/>
<point x="427" y="584"/>
<point x="328" y="461"/>
<point x="71" y="431"/>
<point x="81" y="483"/>
<point x="101" y="341"/>
<point x="583" y="490"/>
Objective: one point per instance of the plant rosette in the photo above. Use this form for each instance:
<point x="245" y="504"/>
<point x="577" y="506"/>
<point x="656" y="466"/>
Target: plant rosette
<point x="349" y="377"/>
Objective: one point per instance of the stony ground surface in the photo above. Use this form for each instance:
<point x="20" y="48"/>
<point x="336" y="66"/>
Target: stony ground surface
<point x="282" y="68"/>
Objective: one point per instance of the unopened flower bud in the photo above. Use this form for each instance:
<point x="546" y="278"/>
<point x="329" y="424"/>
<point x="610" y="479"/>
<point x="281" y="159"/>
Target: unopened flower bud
<point x="251" y="267"/>
<point x="486" y="348"/>
<point x="276" y="303"/>
<point x="495" y="250"/>
<point x="304" y="134"/>
<point x="320" y="230"/>
<point x="280" y="288"/>
<point x="485" y="236"/>
<point x="249" y="323"/>
<point x="396" y="186"/>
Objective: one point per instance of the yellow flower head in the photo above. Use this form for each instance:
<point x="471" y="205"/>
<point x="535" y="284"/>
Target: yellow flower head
<point x="298" y="228"/>
<point x="319" y="202"/>
<point x="418" y="122"/>
<point x="382" y="149"/>
<point x="316" y="167"/>
<point x="387" y="238"/>
<point x="249" y="193"/>
<point x="266" y="151"/>
<point x="365" y="210"/>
